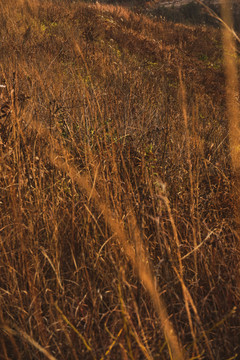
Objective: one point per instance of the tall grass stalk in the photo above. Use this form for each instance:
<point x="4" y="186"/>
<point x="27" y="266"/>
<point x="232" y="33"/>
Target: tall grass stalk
<point x="233" y="109"/>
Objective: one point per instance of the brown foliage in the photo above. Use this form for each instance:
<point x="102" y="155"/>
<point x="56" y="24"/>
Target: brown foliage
<point x="115" y="187"/>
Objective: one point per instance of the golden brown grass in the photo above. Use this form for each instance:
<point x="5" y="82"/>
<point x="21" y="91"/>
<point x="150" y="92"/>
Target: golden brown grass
<point x="117" y="226"/>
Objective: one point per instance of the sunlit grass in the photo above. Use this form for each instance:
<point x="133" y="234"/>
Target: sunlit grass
<point x="118" y="234"/>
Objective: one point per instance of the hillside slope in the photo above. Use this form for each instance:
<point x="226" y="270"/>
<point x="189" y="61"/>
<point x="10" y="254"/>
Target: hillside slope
<point x="191" y="12"/>
<point x="116" y="223"/>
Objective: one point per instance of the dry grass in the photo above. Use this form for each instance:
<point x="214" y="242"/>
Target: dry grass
<point x="117" y="230"/>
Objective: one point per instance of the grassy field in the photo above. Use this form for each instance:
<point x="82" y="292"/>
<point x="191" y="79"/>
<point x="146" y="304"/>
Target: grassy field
<point x="118" y="234"/>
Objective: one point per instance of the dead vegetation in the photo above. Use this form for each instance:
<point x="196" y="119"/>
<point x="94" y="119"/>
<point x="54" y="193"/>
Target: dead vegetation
<point x="117" y="226"/>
